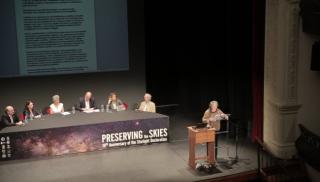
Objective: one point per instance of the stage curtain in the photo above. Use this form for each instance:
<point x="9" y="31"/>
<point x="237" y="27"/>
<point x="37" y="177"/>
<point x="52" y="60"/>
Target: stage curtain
<point x="258" y="67"/>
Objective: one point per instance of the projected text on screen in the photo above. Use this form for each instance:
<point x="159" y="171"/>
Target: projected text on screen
<point x="56" y="37"/>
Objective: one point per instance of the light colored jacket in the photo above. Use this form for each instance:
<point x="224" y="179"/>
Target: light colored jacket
<point x="212" y="118"/>
<point x="147" y="106"/>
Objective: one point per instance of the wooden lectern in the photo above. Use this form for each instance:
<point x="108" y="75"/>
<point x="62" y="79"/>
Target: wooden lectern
<point x="200" y="136"/>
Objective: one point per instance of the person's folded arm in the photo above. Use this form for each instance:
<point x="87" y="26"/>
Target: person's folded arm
<point x="223" y="115"/>
<point x="140" y="107"/>
<point x="206" y="117"/>
<point x="7" y="122"/>
<point x="120" y="103"/>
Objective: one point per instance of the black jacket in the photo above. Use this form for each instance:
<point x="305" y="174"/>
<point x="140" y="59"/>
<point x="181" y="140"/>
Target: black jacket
<point x="82" y="103"/>
<point x="5" y="120"/>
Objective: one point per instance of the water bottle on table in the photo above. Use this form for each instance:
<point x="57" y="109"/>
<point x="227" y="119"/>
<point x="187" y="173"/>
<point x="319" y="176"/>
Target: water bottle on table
<point x="26" y="120"/>
<point x="102" y="108"/>
<point x="73" y="110"/>
<point x="107" y="108"/>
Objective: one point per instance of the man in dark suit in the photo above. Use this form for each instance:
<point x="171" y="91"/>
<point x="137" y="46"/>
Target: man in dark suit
<point x="10" y="118"/>
<point x="87" y="102"/>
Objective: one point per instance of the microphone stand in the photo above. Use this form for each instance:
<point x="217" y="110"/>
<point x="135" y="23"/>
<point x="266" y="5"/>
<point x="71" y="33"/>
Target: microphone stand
<point x="236" y="158"/>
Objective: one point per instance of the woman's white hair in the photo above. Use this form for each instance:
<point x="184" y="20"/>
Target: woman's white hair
<point x="213" y="102"/>
<point x="55" y="97"/>
<point x="148" y="95"/>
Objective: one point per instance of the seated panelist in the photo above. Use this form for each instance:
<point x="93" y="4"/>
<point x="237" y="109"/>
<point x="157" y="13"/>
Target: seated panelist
<point x="29" y="112"/>
<point x="9" y="118"/>
<point x="56" y="106"/>
<point x="147" y="105"/>
<point x="87" y="102"/>
<point x="114" y="103"/>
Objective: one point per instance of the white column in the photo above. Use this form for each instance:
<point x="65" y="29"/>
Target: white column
<point x="280" y="79"/>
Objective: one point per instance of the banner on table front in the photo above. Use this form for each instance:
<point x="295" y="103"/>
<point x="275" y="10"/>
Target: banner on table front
<point x="84" y="138"/>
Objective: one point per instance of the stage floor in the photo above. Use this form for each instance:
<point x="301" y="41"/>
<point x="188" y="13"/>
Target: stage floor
<point x="155" y="162"/>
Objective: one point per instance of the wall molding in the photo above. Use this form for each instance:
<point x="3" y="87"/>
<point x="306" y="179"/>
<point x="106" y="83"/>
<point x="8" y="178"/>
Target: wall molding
<point x="285" y="108"/>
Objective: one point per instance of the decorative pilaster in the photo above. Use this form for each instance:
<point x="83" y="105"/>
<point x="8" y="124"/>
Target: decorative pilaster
<point x="280" y="84"/>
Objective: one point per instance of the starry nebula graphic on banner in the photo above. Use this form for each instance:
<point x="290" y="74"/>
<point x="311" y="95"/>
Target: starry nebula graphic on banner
<point x="84" y="138"/>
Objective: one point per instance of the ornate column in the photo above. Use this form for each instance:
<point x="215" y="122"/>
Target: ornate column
<point x="280" y="79"/>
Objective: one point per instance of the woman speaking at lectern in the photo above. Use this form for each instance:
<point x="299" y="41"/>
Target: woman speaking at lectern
<point x="212" y="117"/>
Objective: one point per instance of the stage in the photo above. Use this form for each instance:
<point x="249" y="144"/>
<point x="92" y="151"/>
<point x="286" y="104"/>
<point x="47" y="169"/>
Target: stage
<point x="150" y="162"/>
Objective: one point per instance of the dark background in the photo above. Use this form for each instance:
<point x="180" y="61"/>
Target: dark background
<point x="198" y="51"/>
<point x="182" y="52"/>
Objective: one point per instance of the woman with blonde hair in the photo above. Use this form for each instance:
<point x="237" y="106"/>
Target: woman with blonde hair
<point x="56" y="106"/>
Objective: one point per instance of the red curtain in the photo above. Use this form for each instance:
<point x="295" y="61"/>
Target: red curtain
<point x="258" y="67"/>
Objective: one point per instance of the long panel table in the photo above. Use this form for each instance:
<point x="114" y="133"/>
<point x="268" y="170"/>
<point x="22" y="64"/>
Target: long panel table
<point x="59" y="134"/>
